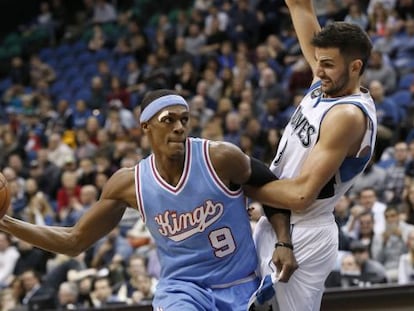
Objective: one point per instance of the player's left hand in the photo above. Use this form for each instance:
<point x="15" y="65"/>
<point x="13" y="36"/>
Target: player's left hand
<point x="285" y="262"/>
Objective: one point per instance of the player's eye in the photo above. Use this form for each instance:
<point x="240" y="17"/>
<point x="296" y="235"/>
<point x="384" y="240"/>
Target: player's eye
<point x="167" y="120"/>
<point x="184" y="120"/>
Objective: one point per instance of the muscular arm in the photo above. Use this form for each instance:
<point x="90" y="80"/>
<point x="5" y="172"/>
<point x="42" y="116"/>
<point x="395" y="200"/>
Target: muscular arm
<point x="233" y="166"/>
<point x="341" y="133"/>
<point x="100" y="219"/>
<point x="306" y="26"/>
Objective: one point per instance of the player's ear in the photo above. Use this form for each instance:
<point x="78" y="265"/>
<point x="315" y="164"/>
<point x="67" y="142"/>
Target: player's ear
<point x="144" y="127"/>
<point x="356" y="66"/>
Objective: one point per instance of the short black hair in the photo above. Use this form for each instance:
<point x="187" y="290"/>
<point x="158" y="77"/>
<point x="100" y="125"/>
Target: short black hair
<point x="153" y="95"/>
<point x="351" y="40"/>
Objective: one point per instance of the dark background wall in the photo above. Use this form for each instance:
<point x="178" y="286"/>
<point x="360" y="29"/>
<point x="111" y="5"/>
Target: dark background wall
<point x="16" y="12"/>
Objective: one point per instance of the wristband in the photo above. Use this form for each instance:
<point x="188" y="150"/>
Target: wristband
<point x="284" y="244"/>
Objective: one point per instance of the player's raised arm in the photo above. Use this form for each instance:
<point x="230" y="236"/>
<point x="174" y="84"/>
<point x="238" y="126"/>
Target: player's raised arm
<point x="306" y="25"/>
<point x="99" y="220"/>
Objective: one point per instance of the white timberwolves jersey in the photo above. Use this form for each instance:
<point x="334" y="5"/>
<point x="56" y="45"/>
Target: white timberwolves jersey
<point x="301" y="135"/>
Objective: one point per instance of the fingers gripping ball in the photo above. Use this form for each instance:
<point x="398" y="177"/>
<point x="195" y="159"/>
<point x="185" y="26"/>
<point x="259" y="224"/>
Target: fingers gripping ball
<point x="5" y="196"/>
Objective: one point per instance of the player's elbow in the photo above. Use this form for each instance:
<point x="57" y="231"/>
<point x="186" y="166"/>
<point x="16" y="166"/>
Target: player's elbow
<point x="303" y="198"/>
<point x="76" y="246"/>
<point x="301" y="202"/>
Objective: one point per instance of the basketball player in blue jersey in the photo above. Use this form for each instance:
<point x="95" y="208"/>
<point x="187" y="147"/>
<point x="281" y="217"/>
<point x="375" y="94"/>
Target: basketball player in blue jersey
<point x="325" y="146"/>
<point x="189" y="195"/>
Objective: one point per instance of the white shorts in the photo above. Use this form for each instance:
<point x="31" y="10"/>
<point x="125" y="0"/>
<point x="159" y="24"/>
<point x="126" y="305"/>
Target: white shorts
<point x="316" y="250"/>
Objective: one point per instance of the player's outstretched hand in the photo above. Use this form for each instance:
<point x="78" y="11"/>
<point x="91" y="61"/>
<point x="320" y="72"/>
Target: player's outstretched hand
<point x="285" y="262"/>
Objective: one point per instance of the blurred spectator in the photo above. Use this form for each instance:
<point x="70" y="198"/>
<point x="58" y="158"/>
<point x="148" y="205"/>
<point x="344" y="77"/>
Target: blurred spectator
<point x="86" y="171"/>
<point x="103" y="12"/>
<point x="387" y="116"/>
<point x="97" y="100"/>
<point x="394" y="183"/>
<point x="38" y="210"/>
<point x="213" y="84"/>
<point x="369" y="200"/>
<point x="109" y="246"/>
<point x="30" y="257"/>
<point x="364" y="231"/>
<point x="404" y="52"/>
<point x="357" y="16"/>
<point x="118" y="91"/>
<point x="137" y="267"/>
<point x="232" y="130"/>
<point x="380" y="16"/>
<point x="68" y="194"/>
<point x="372" y="177"/>
<point x="244" y="25"/>
<point x="272" y="142"/>
<point x="63" y="118"/>
<point x="40" y="71"/>
<point x="80" y="114"/>
<point x="19" y="71"/>
<point x="407" y="209"/>
<point x="381" y="71"/>
<point x="88" y="196"/>
<point x="392" y="243"/>
<point x="102" y="293"/>
<point x="185" y="79"/>
<point x="405" y="9"/>
<point x="68" y="296"/>
<point x="198" y="106"/>
<point x="271" y="116"/>
<point x="387" y="42"/>
<point x="372" y="272"/>
<point x="269" y="88"/>
<point x="8" y="258"/>
<point x="46" y="173"/>
<point x="58" y="151"/>
<point x="36" y="295"/>
<point x="145" y="289"/>
<point x="300" y="77"/>
<point x="342" y="212"/>
<point x="84" y="146"/>
<point x="406" y="263"/>
<point x="7" y="301"/>
<point x="348" y="276"/>
<point x="194" y="40"/>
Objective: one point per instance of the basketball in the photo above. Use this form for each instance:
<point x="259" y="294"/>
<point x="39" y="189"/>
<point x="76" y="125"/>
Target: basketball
<point x="5" y="196"/>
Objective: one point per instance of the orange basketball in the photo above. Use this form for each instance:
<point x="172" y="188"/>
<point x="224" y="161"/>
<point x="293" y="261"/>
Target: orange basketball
<point x="5" y="196"/>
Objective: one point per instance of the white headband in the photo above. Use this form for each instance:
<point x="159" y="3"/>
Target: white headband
<point x="160" y="103"/>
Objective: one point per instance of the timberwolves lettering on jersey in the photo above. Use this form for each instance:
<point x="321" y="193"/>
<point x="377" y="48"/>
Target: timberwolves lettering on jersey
<point x="302" y="128"/>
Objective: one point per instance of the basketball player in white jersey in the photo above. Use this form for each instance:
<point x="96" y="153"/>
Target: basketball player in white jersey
<point x="325" y="146"/>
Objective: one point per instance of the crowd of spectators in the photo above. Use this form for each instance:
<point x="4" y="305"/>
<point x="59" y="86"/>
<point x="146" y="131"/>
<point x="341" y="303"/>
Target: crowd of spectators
<point x="69" y="119"/>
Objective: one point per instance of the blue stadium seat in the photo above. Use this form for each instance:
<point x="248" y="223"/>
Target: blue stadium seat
<point x="76" y="84"/>
<point x="84" y="58"/>
<point x="45" y="54"/>
<point x="406" y="81"/>
<point x="402" y="98"/>
<point x="63" y="50"/>
<point x="58" y="87"/>
<point x="5" y="84"/>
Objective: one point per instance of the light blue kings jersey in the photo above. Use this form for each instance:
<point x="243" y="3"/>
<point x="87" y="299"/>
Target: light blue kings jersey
<point x="301" y="135"/>
<point x="201" y="228"/>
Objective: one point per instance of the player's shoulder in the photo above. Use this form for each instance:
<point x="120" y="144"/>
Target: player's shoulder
<point x="222" y="149"/>
<point x="120" y="181"/>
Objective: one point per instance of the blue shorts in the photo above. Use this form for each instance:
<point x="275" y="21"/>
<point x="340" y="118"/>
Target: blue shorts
<point x="174" y="295"/>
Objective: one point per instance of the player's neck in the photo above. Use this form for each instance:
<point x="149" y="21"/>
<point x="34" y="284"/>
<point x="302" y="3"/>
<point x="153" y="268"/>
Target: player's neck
<point x="170" y="169"/>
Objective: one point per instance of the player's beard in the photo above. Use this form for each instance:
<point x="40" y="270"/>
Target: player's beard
<point x="338" y="87"/>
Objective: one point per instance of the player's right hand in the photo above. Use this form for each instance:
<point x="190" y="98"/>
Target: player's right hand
<point x="285" y="262"/>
